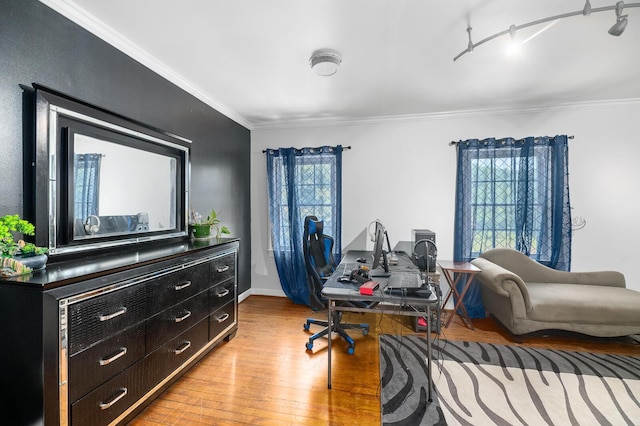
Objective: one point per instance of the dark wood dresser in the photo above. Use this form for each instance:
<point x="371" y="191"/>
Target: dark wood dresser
<point x="91" y="341"/>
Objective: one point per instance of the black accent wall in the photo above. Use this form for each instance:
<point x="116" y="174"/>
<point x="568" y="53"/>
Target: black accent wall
<point x="38" y="45"/>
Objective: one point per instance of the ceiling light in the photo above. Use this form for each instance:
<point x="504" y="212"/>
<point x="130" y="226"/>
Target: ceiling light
<point x="325" y="63"/>
<point x="617" y="29"/>
<point x="621" y="20"/>
<point x="513" y="47"/>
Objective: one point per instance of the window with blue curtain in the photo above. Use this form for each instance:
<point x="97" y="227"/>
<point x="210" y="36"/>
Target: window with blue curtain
<point x="512" y="194"/>
<point x="302" y="182"/>
<point x="87" y="185"/>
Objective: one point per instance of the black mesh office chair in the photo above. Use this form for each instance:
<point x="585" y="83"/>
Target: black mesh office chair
<point x="320" y="265"/>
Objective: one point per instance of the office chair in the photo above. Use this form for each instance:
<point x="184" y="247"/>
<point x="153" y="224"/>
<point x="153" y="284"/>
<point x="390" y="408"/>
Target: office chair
<point x="320" y="265"/>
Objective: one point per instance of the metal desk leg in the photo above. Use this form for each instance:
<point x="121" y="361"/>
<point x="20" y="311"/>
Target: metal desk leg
<point x="430" y="399"/>
<point x="330" y="304"/>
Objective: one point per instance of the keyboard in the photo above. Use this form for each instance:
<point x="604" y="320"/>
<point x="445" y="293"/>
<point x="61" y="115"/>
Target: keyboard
<point x="404" y="280"/>
<point x="409" y="292"/>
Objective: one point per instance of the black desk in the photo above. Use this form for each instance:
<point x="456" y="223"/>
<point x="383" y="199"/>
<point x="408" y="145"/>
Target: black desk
<point x="337" y="291"/>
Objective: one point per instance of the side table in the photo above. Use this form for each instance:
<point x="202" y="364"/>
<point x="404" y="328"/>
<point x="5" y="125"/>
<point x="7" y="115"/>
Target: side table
<point x="453" y="272"/>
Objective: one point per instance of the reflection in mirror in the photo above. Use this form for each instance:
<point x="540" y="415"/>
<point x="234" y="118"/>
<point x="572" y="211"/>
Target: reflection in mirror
<point x="115" y="195"/>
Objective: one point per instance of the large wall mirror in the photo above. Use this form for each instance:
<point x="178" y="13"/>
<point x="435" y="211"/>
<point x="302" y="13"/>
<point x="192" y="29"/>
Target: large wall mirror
<point x="103" y="180"/>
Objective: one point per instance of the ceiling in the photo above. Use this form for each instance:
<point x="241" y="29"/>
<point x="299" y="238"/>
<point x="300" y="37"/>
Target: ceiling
<point x="250" y="58"/>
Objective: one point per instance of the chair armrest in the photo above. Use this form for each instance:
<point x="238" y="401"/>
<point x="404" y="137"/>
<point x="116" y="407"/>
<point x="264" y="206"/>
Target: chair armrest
<point x="496" y="278"/>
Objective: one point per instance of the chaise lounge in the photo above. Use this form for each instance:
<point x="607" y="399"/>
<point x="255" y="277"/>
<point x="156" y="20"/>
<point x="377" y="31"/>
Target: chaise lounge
<point x="526" y="296"/>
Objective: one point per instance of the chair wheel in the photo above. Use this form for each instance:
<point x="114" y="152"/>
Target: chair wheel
<point x="309" y="345"/>
<point x="306" y="326"/>
<point x="351" y="350"/>
<point x="365" y="331"/>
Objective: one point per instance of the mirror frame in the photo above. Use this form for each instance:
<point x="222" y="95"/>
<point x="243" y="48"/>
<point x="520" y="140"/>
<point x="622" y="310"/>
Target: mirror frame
<point x="53" y="221"/>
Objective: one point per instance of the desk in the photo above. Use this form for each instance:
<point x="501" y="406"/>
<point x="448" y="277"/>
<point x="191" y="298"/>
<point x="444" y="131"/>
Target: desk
<point x="449" y="270"/>
<point x="347" y="292"/>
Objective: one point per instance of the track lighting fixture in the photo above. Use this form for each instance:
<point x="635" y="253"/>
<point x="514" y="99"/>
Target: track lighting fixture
<point x="616" y="30"/>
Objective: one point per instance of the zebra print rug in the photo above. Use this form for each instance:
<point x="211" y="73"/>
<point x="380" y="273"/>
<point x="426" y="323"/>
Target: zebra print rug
<point x="487" y="384"/>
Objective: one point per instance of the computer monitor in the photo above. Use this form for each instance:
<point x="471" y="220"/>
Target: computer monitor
<point x="378" y="251"/>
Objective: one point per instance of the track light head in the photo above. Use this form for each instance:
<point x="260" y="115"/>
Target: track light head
<point x="621" y="20"/>
<point x="586" y="11"/>
<point x="618" y="28"/>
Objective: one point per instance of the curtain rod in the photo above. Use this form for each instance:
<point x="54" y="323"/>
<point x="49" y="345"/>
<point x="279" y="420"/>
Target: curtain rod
<point x="457" y="142"/>
<point x="264" y="151"/>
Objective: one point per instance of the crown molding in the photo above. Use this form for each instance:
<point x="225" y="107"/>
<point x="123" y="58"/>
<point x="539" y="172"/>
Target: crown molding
<point x="447" y="115"/>
<point x="75" y="13"/>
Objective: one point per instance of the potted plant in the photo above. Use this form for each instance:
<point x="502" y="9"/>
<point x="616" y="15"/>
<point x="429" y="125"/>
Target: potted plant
<point x="17" y="256"/>
<point x="202" y="228"/>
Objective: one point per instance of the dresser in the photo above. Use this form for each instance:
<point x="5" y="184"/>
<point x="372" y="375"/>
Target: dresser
<point x="92" y="341"/>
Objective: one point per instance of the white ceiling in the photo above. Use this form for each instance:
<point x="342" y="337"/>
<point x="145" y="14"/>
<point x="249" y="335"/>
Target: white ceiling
<point x="250" y="58"/>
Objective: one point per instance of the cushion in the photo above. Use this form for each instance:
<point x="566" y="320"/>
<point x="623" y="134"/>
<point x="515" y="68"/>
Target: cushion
<point x="585" y="304"/>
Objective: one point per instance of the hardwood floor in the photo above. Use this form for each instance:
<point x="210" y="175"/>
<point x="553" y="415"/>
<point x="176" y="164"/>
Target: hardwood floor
<point x="264" y="376"/>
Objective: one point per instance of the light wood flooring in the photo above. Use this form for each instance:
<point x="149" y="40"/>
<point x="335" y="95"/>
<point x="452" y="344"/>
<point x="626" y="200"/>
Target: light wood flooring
<point x="264" y="376"/>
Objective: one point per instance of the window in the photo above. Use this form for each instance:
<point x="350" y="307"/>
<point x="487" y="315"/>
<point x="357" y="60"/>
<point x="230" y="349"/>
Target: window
<point x="87" y="182"/>
<point x="314" y="186"/>
<point x="494" y="200"/>
<point x="514" y="194"/>
<point x="302" y="182"/>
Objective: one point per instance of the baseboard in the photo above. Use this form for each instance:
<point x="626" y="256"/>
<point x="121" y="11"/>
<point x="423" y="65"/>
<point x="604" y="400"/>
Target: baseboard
<point x="267" y="292"/>
<point x="244" y="295"/>
<point x="260" y="292"/>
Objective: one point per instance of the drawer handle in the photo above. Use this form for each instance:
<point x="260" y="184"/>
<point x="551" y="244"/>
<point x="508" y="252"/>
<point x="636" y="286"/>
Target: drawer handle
<point x="223" y="293"/>
<point x="223" y="269"/>
<point x="182" y="286"/>
<point x="184" y="317"/>
<point x="109" y="404"/>
<point x="102" y="317"/>
<point x="222" y="318"/>
<point x="107" y="361"/>
<point x="186" y="345"/>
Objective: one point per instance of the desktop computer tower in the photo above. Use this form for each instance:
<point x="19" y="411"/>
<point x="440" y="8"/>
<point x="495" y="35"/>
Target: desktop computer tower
<point x="422" y="234"/>
<point x="424" y="255"/>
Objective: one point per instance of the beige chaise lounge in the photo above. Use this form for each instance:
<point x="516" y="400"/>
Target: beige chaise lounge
<point x="526" y="296"/>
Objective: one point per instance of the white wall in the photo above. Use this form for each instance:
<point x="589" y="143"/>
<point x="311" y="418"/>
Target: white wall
<point x="403" y="172"/>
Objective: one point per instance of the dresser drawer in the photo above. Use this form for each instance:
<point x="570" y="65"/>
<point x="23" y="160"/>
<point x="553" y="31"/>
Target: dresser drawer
<point x="100" y="317"/>
<point x="223" y="293"/>
<point x="224" y="267"/>
<point x="173" y="354"/>
<point x="108" y="401"/>
<point x="169" y="323"/>
<point x="177" y="286"/>
<point x="96" y="365"/>
<point x="221" y="319"/>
